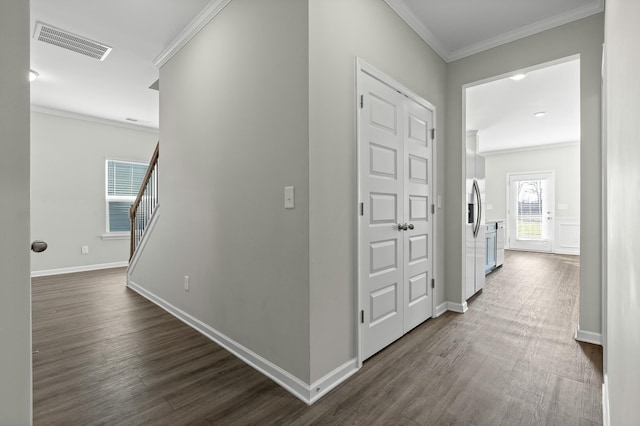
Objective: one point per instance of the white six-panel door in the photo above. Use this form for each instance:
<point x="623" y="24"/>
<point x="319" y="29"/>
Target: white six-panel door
<point x="395" y="157"/>
<point x="417" y="202"/>
<point x="381" y="244"/>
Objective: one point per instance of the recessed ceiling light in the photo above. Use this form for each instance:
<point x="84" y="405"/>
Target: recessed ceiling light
<point x="33" y="75"/>
<point x="518" y="77"/>
<point x="539" y="114"/>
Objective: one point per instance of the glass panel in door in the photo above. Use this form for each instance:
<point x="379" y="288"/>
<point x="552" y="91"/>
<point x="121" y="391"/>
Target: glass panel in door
<point x="531" y="211"/>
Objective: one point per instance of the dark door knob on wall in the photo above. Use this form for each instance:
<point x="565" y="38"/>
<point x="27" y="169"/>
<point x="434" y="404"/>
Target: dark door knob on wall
<point x="38" y="246"/>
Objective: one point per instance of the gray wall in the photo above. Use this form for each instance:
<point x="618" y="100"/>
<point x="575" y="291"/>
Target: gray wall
<point x="283" y="285"/>
<point x="338" y="32"/>
<point x="234" y="132"/>
<point x="68" y="187"/>
<point x="15" y="286"/>
<point x="623" y="245"/>
<point x="582" y="37"/>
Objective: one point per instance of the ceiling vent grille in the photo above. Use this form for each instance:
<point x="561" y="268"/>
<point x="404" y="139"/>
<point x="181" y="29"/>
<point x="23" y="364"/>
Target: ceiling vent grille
<point x="61" y="38"/>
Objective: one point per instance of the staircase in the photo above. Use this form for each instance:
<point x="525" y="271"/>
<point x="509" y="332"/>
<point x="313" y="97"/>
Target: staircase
<point x="142" y="210"/>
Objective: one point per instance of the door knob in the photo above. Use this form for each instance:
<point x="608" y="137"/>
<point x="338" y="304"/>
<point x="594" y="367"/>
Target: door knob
<point x="411" y="226"/>
<point x="38" y="246"/>
<point x="403" y="227"/>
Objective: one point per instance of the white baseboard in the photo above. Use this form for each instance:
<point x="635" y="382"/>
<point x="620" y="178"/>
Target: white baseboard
<point x="306" y="393"/>
<point x="606" y="421"/>
<point x="588" y="337"/>
<point x="440" y="309"/>
<point x="321" y="387"/>
<point x="460" y="308"/>
<point x="74" y="269"/>
<point x="572" y="252"/>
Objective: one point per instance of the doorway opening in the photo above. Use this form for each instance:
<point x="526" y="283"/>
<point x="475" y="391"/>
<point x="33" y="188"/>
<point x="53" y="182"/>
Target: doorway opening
<point x="526" y="127"/>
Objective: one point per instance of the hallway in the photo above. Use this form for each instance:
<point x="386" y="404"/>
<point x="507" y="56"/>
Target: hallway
<point x="105" y="355"/>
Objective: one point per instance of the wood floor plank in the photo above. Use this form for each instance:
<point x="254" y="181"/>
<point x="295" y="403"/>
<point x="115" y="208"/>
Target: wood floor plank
<point x="105" y="355"/>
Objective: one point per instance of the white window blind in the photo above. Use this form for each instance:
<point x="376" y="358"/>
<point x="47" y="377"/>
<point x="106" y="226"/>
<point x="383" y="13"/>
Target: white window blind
<point x="123" y="183"/>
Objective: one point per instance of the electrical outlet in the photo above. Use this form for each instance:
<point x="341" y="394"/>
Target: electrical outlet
<point x="84" y="250"/>
<point x="187" y="284"/>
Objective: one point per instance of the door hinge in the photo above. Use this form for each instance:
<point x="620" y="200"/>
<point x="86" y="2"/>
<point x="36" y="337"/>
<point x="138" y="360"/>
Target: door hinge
<point x="361" y="209"/>
<point x="362" y="316"/>
<point x="433" y="133"/>
<point x="433" y="283"/>
<point x="361" y="101"/>
<point x="433" y="209"/>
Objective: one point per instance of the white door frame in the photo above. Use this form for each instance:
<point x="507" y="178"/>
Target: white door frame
<point x="463" y="141"/>
<point x="552" y="204"/>
<point x="363" y="67"/>
<point x="605" y="220"/>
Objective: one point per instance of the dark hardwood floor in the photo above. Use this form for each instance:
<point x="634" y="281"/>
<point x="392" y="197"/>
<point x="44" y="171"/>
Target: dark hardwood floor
<point x="104" y="355"/>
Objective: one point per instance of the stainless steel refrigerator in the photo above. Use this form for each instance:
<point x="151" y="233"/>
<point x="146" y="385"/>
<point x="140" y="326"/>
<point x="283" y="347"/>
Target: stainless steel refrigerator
<point x="475" y="218"/>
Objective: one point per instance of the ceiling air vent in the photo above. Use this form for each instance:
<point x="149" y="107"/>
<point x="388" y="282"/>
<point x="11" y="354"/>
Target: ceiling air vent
<point x="61" y="38"/>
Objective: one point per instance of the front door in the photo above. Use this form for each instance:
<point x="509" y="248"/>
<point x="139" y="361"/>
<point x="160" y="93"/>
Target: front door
<point x="531" y="211"/>
<point x="395" y="246"/>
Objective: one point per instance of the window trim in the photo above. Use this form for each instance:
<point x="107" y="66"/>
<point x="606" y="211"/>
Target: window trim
<point x="115" y="235"/>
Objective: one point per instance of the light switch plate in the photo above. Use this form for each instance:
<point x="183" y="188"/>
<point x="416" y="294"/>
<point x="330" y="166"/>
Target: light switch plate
<point x="563" y="206"/>
<point x="439" y="202"/>
<point x="489" y="206"/>
<point x="289" y="201"/>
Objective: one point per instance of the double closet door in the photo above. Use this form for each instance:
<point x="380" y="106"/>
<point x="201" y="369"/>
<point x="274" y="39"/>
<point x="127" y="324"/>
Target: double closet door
<point x="395" y="224"/>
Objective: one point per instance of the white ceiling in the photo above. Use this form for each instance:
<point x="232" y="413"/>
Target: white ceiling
<point x="139" y="30"/>
<point x="117" y="88"/>
<point x="459" y="28"/>
<point x="502" y="110"/>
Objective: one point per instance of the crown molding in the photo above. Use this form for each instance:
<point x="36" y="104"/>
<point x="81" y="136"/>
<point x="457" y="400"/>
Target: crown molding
<point x="528" y="30"/>
<point x="209" y="12"/>
<point x="398" y="6"/>
<point x="92" y="119"/>
<point x="410" y="18"/>
<point x="529" y="148"/>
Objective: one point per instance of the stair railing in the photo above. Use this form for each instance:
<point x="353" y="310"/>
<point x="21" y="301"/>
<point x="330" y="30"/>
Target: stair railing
<point x="145" y="204"/>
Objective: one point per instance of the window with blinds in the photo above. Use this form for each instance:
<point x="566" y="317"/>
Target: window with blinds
<point x="122" y="185"/>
